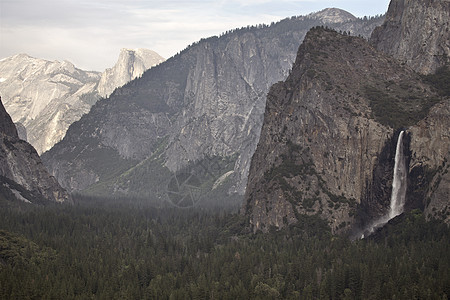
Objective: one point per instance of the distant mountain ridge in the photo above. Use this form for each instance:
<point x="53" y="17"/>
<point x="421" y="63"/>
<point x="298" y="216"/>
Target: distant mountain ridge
<point x="333" y="15"/>
<point x="200" y="110"/>
<point x="46" y="97"/>
<point x="131" y="64"/>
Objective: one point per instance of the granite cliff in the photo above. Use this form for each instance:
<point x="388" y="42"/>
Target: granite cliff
<point x="132" y="63"/>
<point x="325" y="129"/>
<point x="417" y="33"/>
<point x="22" y="174"/>
<point x="429" y="179"/>
<point x="330" y="130"/>
<point x="47" y="96"/>
<point x="186" y="130"/>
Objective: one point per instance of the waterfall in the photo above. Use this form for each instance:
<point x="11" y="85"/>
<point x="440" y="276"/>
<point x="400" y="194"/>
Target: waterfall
<point x="398" y="188"/>
<point x="399" y="181"/>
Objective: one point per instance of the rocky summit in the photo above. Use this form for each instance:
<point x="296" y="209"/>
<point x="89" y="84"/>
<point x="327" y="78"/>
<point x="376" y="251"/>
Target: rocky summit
<point x="186" y="130"/>
<point x="22" y="174"/>
<point x="417" y="33"/>
<point x="328" y="142"/>
<point x="45" y="97"/>
<point x="132" y="63"/>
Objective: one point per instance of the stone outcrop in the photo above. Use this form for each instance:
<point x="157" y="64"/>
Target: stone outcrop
<point x="45" y="97"/>
<point x="327" y="145"/>
<point x="199" y="107"/>
<point x="132" y="63"/>
<point x="416" y="32"/>
<point x="22" y="174"/>
<point x="334" y="15"/>
<point x="22" y="131"/>
<point x="6" y="124"/>
<point x="429" y="179"/>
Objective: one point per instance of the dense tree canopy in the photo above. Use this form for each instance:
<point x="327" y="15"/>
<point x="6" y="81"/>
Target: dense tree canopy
<point x="122" y="251"/>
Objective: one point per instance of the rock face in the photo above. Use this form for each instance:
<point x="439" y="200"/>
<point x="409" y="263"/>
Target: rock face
<point x="328" y="140"/>
<point x="45" y="97"/>
<point x="334" y="15"/>
<point x="6" y="124"/>
<point x="22" y="131"/>
<point x="416" y="32"/>
<point x="22" y="174"/>
<point x="430" y="162"/>
<point x="132" y="63"/>
<point x="198" y="113"/>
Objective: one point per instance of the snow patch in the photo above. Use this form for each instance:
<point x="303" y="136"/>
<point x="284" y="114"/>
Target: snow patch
<point x="2" y="79"/>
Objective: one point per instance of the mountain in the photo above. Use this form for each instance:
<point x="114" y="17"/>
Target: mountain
<point x="130" y="65"/>
<point x="328" y="143"/>
<point x="186" y="130"/>
<point x="22" y="131"/>
<point x="333" y="15"/>
<point x="416" y="32"/>
<point x="46" y="97"/>
<point x="22" y="174"/>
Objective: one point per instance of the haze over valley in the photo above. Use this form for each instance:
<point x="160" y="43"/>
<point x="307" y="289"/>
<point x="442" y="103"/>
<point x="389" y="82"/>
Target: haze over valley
<point x="301" y="157"/>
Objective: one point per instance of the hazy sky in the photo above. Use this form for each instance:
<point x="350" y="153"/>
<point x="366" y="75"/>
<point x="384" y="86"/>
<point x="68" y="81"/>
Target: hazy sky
<point x="90" y="33"/>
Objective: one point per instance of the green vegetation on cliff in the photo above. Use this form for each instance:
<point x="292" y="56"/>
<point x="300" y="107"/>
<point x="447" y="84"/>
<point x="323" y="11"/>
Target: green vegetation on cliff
<point x="401" y="107"/>
<point x="440" y="80"/>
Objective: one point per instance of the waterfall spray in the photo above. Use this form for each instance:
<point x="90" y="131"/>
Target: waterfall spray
<point x="399" y="181"/>
<point x="398" y="188"/>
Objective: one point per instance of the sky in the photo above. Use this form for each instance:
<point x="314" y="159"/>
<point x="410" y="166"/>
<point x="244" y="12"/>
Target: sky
<point x="90" y="33"/>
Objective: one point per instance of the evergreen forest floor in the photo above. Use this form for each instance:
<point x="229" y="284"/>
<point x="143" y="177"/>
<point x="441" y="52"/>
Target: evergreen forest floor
<point x="115" y="250"/>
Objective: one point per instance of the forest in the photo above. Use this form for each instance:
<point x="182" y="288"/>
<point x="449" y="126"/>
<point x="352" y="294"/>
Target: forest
<point x="98" y="249"/>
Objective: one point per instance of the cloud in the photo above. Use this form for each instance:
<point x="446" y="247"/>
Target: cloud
<point x="90" y="33"/>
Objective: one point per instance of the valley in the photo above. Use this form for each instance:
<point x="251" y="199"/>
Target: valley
<point x="305" y="159"/>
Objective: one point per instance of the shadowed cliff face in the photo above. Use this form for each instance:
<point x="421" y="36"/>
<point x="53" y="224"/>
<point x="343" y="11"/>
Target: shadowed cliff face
<point x="201" y="106"/>
<point x="416" y="32"/>
<point x="429" y="178"/>
<point x="22" y="174"/>
<point x="6" y="124"/>
<point x="327" y="142"/>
